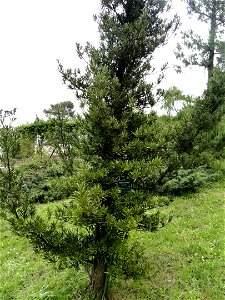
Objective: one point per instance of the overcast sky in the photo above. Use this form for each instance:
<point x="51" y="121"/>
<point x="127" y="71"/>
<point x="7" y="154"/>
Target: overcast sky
<point x="35" y="33"/>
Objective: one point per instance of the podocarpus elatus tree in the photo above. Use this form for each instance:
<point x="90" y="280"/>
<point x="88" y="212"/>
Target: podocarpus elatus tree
<point x="115" y="92"/>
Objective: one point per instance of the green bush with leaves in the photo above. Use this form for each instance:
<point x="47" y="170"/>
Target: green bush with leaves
<point x="45" y="179"/>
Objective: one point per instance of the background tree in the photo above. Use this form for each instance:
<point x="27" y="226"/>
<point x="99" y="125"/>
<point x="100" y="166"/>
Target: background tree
<point x="61" y="137"/>
<point x="205" y="52"/>
<point x="123" y="159"/>
<point x="62" y="110"/>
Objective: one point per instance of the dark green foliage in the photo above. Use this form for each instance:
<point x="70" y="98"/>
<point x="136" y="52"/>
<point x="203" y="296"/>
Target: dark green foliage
<point x="211" y="109"/>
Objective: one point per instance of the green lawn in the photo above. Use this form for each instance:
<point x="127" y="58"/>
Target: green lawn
<point x="185" y="260"/>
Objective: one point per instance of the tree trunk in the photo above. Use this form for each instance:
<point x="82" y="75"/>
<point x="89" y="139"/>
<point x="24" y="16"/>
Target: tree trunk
<point x="211" y="43"/>
<point x="211" y="64"/>
<point x="98" y="277"/>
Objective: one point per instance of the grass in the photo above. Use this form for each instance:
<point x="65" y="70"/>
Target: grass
<point x="184" y="260"/>
<point x="26" y="275"/>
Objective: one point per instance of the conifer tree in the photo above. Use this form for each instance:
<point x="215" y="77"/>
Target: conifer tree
<point x="205" y="52"/>
<point x="123" y="154"/>
<point x="60" y="111"/>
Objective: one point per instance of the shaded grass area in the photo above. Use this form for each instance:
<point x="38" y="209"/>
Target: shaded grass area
<point x="184" y="260"/>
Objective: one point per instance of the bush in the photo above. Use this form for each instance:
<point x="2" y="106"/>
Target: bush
<point x="41" y="178"/>
<point x="184" y="181"/>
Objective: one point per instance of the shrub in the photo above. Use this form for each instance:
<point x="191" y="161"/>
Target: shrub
<point x="40" y="179"/>
<point x="184" y="181"/>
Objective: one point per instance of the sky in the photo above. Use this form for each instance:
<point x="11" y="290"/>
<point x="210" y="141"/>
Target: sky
<point x="35" y="33"/>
